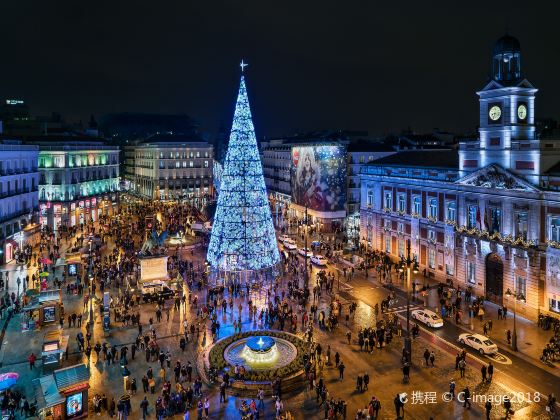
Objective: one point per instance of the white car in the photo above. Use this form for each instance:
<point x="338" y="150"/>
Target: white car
<point x="431" y="319"/>
<point x="283" y="238"/>
<point x="304" y="251"/>
<point x="319" y="260"/>
<point x="290" y="244"/>
<point x="479" y="342"/>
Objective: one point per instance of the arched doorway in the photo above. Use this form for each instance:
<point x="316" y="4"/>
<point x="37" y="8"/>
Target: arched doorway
<point x="494" y="278"/>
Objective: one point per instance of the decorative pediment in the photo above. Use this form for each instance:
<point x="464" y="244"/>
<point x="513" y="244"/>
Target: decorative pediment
<point x="495" y="85"/>
<point x="495" y="177"/>
<point x="492" y="85"/>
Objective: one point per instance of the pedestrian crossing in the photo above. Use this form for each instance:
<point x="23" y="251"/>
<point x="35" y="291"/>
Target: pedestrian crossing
<point x="398" y="309"/>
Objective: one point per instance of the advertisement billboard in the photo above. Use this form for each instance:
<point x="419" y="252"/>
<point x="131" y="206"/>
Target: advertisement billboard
<point x="318" y="177"/>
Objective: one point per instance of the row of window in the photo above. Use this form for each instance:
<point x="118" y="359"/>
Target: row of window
<point x="490" y="221"/>
<point x="162" y="165"/>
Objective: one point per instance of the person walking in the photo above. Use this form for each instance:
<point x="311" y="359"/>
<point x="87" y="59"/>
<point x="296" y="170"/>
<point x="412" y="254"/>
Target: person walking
<point x="483" y="371"/>
<point x="144" y="406"/>
<point x="467" y="398"/>
<point x="399" y="406"/>
<point x="462" y="366"/>
<point x="507" y="407"/>
<point x="366" y="381"/>
<point x="452" y="389"/>
<point x="426" y="356"/>
<point x="32" y="358"/>
<point x="432" y="358"/>
<point x="223" y="392"/>
<point x="488" y="408"/>
<point x="490" y="371"/>
<point x="508" y="336"/>
<point x="341" y="370"/>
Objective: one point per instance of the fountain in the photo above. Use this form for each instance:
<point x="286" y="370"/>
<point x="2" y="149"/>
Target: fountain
<point x="260" y="350"/>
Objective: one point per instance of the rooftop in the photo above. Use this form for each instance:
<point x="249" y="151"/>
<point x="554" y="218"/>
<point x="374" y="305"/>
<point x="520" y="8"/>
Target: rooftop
<point x="443" y="159"/>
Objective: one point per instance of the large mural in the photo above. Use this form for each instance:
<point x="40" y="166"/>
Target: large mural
<point x="318" y="177"/>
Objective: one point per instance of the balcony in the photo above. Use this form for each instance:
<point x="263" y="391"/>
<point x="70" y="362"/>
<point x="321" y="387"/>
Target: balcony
<point x="495" y="236"/>
<point x="12" y="216"/>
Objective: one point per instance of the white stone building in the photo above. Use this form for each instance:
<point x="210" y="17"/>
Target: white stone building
<point x="19" y="179"/>
<point x="486" y="216"/>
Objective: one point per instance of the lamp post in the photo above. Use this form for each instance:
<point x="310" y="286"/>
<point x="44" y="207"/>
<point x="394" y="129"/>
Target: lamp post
<point x="516" y="296"/>
<point x="90" y="288"/>
<point x="306" y="274"/>
<point x="408" y="264"/>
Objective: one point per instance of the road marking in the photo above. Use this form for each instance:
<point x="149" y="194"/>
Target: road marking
<point x="499" y="358"/>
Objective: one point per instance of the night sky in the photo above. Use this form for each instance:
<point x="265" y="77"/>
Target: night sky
<point x="380" y="66"/>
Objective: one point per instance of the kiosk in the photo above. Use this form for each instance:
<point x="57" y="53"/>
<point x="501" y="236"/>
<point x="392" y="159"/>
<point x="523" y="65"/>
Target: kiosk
<point x="63" y="394"/>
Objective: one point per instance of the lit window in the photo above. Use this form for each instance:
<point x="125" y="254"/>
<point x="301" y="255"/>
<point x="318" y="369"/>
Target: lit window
<point x="433" y="208"/>
<point x="472" y="217"/>
<point x="388" y="200"/>
<point x="451" y="211"/>
<point x="471" y="272"/>
<point x="432" y="235"/>
<point x="432" y="258"/>
<point x="206" y="164"/>
<point x="370" y="198"/>
<point x="555" y="229"/>
<point x="402" y="203"/>
<point x="388" y="244"/>
<point x="521" y="223"/>
<point x="401" y="248"/>
<point x="449" y="270"/>
<point x="521" y="286"/>
<point x="417" y="205"/>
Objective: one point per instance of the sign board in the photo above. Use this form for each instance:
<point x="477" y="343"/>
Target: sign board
<point x="153" y="269"/>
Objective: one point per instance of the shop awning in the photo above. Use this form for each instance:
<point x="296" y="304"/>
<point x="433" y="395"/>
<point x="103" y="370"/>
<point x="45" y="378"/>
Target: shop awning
<point x="49" y="296"/>
<point x="71" y="376"/>
<point x="46" y="392"/>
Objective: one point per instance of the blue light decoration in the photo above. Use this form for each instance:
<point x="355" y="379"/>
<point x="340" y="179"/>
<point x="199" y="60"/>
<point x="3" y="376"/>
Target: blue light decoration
<point x="243" y="236"/>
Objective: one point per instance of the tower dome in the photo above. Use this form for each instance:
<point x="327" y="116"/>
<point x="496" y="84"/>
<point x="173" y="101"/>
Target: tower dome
<point x="507" y="44"/>
<point x="506" y="60"/>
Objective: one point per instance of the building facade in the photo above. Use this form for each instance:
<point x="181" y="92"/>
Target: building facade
<point x="486" y="216"/>
<point x="19" y="181"/>
<point x="168" y="168"/>
<point x="79" y="180"/>
<point x="344" y="156"/>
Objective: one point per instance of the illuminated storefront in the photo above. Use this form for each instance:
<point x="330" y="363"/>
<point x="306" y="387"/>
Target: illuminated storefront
<point x="79" y="182"/>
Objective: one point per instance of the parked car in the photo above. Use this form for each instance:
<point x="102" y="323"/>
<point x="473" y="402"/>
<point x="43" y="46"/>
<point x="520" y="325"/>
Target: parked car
<point x="290" y="244"/>
<point x="430" y="318"/>
<point x="319" y="260"/>
<point x="305" y="251"/>
<point x="282" y="238"/>
<point x="479" y="342"/>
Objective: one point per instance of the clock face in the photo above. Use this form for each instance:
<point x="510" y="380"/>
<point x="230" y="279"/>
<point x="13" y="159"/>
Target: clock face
<point x="495" y="113"/>
<point x="522" y="112"/>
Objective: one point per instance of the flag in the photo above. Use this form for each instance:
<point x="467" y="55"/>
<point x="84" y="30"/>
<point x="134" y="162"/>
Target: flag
<point x="478" y="217"/>
<point x="488" y="219"/>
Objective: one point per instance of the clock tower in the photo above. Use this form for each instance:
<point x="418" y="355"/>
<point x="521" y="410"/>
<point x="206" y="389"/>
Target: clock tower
<point x="507" y="118"/>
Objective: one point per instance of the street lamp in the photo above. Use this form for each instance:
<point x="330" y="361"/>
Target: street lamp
<point x="306" y="280"/>
<point x="517" y="296"/>
<point x="408" y="264"/>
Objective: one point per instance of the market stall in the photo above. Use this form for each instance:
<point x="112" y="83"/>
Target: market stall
<point x="63" y="394"/>
<point x="44" y="308"/>
<point x="55" y="344"/>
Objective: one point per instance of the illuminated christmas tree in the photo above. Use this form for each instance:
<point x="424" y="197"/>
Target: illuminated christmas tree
<point x="243" y="236"/>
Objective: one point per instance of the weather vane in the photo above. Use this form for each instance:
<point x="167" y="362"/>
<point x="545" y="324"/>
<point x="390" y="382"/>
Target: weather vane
<point x="243" y="65"/>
